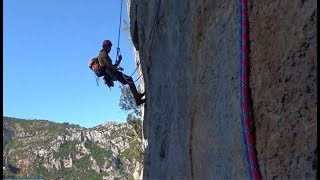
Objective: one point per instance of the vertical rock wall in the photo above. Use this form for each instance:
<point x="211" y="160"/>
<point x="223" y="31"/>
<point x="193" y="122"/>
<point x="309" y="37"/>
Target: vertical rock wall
<point x="284" y="85"/>
<point x="192" y="114"/>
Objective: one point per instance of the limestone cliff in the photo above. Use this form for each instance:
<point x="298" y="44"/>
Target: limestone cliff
<point x="191" y="76"/>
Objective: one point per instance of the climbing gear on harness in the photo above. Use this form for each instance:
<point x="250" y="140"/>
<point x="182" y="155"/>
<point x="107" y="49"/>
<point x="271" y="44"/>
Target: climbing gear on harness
<point x="108" y="80"/>
<point x="118" y="60"/>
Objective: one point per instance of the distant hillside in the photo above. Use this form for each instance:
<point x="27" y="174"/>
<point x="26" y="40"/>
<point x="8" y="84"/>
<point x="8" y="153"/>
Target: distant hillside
<point x="45" y="149"/>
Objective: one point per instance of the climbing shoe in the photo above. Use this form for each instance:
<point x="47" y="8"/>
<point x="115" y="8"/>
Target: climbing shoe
<point x="140" y="101"/>
<point x="141" y="95"/>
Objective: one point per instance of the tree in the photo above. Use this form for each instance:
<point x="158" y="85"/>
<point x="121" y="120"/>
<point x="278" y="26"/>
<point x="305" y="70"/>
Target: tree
<point x="126" y="25"/>
<point x="126" y="29"/>
<point x="127" y="103"/>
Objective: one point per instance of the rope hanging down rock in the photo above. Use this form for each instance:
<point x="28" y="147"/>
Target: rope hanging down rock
<point x="246" y="113"/>
<point x="118" y="58"/>
<point x="150" y="37"/>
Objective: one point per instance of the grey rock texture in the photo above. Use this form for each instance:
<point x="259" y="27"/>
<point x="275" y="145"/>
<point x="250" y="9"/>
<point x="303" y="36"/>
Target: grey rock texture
<point x="284" y="86"/>
<point x="7" y="134"/>
<point x="192" y="114"/>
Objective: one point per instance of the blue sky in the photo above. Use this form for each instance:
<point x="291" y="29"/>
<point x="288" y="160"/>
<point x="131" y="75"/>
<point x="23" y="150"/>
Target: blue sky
<point x="46" y="49"/>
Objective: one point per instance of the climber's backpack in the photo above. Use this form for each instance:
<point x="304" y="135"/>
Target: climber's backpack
<point x="98" y="70"/>
<point x="95" y="67"/>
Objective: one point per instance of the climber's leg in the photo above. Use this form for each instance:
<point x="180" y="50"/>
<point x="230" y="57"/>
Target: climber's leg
<point x="124" y="79"/>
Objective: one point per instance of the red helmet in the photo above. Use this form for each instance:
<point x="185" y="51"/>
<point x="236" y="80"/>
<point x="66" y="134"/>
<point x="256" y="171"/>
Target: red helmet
<point x="106" y="42"/>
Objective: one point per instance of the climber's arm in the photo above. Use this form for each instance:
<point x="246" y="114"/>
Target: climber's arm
<point x="110" y="65"/>
<point x="105" y="61"/>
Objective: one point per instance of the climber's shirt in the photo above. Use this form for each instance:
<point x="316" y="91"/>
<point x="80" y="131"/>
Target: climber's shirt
<point x="102" y="58"/>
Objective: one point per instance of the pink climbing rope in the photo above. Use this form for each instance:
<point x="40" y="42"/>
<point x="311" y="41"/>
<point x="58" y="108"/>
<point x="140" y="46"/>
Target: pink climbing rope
<point x="246" y="116"/>
<point x="149" y="40"/>
<point x="152" y="34"/>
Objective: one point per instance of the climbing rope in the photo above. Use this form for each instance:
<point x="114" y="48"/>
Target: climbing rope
<point x="151" y="36"/>
<point x="126" y="78"/>
<point x="152" y="33"/>
<point x="118" y="48"/>
<point x="118" y="59"/>
<point x="129" y="82"/>
<point x="246" y="114"/>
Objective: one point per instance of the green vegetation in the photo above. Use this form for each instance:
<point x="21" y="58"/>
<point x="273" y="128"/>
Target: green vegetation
<point x="131" y="154"/>
<point x="32" y="141"/>
<point x="11" y="145"/>
<point x="127" y="103"/>
<point x="136" y="124"/>
<point x="83" y="163"/>
<point x="72" y="174"/>
<point x="98" y="153"/>
<point x="67" y="148"/>
<point x="8" y="174"/>
<point x="40" y="172"/>
<point x="127" y="176"/>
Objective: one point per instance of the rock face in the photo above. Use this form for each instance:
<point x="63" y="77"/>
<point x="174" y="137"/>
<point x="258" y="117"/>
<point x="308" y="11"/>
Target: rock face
<point x="284" y="85"/>
<point x="192" y="114"/>
<point x="7" y="134"/>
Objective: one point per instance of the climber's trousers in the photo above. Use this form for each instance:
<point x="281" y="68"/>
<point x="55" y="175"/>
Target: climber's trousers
<point x="124" y="79"/>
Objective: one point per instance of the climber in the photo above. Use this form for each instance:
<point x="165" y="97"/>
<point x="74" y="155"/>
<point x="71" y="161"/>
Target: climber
<point x="112" y="72"/>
